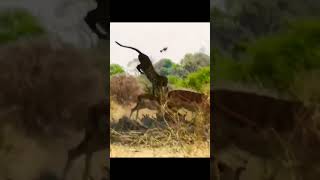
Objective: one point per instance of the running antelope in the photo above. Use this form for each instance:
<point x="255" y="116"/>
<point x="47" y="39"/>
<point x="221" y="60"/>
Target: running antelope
<point x="259" y="124"/>
<point x="146" y="101"/>
<point x="96" y="138"/>
<point x="175" y="100"/>
<point x="189" y="100"/>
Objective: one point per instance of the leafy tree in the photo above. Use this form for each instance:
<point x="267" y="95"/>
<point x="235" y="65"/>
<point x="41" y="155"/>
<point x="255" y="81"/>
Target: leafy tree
<point x="259" y="16"/>
<point x="115" y="69"/>
<point x="178" y="70"/>
<point x="193" y="62"/>
<point x="15" y="24"/>
<point x="274" y="61"/>
<point x="246" y="20"/>
<point x="164" y="67"/>
<point x="226" y="68"/>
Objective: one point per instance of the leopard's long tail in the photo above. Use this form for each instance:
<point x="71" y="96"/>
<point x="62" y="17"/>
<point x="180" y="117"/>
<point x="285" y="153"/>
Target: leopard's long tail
<point x="129" y="47"/>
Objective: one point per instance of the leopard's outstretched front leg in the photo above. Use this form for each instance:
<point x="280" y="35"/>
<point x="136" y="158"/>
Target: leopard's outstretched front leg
<point x="92" y="22"/>
<point x="99" y="16"/>
<point x="140" y="69"/>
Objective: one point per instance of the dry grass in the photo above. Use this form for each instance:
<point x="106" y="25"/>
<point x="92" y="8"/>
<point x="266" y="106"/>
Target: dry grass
<point x="154" y="135"/>
<point x="46" y="88"/>
<point x="124" y="89"/>
<point x="50" y="84"/>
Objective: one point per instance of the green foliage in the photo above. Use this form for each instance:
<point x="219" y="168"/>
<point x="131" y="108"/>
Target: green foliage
<point x="17" y="24"/>
<point x="189" y="64"/>
<point x="227" y="69"/>
<point x="193" y="62"/>
<point x="275" y="60"/>
<point x="176" y="81"/>
<point x="192" y="72"/>
<point x="179" y="70"/>
<point x="164" y="67"/>
<point x="115" y="69"/>
<point x="246" y="20"/>
<point x="199" y="78"/>
<point x="218" y="15"/>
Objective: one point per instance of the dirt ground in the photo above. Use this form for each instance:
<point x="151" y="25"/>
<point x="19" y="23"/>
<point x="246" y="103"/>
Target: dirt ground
<point x="140" y="151"/>
<point x="18" y="151"/>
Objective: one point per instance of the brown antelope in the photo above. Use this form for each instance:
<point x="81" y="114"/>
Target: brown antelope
<point x="192" y="101"/>
<point x="175" y="100"/>
<point x="258" y="112"/>
<point x="243" y="118"/>
<point x="96" y="138"/>
<point x="146" y="101"/>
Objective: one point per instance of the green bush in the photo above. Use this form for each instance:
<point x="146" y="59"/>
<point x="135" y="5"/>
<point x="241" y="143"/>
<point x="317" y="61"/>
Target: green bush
<point x="17" y="24"/>
<point x="176" y="81"/>
<point x="198" y="79"/>
<point x="115" y="69"/>
<point x="275" y="60"/>
<point x="227" y="69"/>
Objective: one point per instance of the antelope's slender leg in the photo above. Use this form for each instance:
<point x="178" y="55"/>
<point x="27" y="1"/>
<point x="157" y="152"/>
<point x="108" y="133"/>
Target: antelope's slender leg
<point x="131" y="114"/>
<point x="136" y="108"/>
<point x="215" y="170"/>
<point x="66" y="169"/>
<point x="72" y="155"/>
<point x="86" y="172"/>
<point x="153" y="87"/>
<point x="137" y="115"/>
<point x="133" y="109"/>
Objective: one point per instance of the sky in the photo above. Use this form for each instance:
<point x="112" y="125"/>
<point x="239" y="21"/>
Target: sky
<point x="150" y="38"/>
